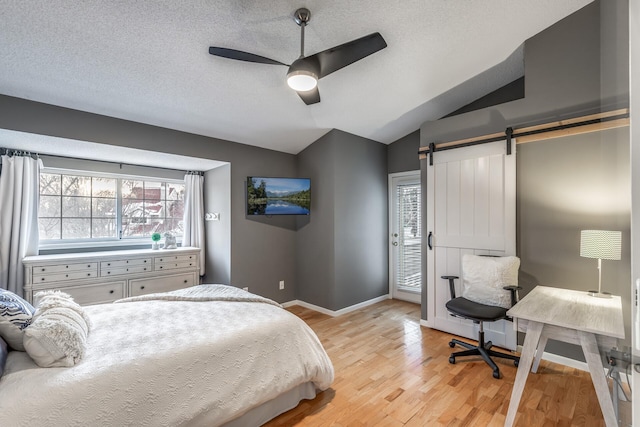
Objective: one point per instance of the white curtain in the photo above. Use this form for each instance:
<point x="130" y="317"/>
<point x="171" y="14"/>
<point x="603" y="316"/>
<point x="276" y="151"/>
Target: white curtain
<point x="194" y="215"/>
<point x="19" y="181"/>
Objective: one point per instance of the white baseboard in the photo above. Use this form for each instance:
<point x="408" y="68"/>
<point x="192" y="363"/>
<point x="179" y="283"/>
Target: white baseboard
<point x="337" y="313"/>
<point x="562" y="360"/>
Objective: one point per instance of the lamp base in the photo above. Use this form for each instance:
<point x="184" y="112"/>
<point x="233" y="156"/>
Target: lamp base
<point x="599" y="294"/>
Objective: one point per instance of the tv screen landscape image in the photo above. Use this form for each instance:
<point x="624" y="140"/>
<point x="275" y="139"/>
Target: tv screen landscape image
<point x="278" y="196"/>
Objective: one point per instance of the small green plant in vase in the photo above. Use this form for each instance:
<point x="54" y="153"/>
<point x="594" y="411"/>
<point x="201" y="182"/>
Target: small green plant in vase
<point x="156" y="238"/>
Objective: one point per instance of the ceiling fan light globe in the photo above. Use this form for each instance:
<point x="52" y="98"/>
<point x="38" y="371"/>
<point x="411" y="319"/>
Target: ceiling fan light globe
<point x="302" y="80"/>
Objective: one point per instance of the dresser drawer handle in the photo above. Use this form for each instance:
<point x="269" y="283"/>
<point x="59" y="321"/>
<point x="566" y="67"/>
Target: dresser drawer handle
<point x="145" y="261"/>
<point x="42" y="269"/>
<point x="186" y="281"/>
<point x="89" y="274"/>
<point x="145" y="269"/>
<point x="111" y="291"/>
<point x="142" y="287"/>
<point x="42" y="279"/>
<point x="88" y="266"/>
<point x="108" y="272"/>
<point x="108" y="264"/>
<point x="66" y="275"/>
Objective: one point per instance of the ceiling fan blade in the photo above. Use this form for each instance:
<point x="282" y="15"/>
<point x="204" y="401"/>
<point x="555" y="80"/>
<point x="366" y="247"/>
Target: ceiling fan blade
<point x="310" y="96"/>
<point x="340" y="56"/>
<point x="242" y="56"/>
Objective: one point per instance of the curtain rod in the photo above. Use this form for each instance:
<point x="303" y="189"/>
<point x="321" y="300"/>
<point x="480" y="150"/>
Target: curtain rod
<point x="13" y="151"/>
<point x="594" y="122"/>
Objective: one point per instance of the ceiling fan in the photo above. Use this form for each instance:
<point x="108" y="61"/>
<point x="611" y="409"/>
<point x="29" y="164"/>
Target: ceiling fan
<point x="305" y="71"/>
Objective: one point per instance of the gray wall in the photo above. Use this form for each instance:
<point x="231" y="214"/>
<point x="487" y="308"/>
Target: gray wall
<point x="565" y="76"/>
<point x="334" y="258"/>
<point x="315" y="243"/>
<point x="217" y="199"/>
<point x="261" y="253"/>
<point x="343" y="248"/>
<point x="402" y="155"/>
<point x="586" y="185"/>
<point x="361" y="220"/>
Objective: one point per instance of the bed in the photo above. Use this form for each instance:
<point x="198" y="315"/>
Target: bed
<point x="209" y="355"/>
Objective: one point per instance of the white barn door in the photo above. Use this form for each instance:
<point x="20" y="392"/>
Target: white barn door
<point x="471" y="208"/>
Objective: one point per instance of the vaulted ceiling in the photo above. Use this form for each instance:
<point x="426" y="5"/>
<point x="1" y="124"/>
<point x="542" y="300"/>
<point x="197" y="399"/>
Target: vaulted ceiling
<point x="148" y="61"/>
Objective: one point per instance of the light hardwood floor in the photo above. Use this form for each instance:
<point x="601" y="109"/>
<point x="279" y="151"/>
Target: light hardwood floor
<point x="390" y="371"/>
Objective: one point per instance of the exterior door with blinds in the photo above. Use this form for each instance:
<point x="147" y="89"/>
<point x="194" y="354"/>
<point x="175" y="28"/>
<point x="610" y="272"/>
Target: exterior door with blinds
<point x="405" y="258"/>
<point x="471" y="209"/>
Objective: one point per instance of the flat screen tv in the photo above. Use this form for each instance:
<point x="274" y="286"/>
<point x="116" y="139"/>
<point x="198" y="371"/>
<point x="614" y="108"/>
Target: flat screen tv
<point x="278" y="196"/>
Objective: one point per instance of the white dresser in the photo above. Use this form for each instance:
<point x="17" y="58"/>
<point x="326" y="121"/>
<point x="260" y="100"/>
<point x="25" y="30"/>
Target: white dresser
<point x="101" y="277"/>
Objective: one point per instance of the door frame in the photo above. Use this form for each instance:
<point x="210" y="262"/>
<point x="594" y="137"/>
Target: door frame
<point x="393" y="293"/>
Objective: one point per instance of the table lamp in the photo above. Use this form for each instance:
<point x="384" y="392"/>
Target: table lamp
<point x="600" y="244"/>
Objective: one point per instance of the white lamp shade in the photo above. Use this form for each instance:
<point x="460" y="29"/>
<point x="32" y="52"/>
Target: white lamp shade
<point x="601" y="244"/>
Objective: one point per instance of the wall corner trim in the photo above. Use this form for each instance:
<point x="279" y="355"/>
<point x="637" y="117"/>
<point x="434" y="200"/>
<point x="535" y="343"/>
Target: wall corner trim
<point x="337" y="313"/>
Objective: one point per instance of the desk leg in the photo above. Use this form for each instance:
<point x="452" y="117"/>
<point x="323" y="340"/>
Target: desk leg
<point x="541" y="345"/>
<point x="592" y="354"/>
<point x="531" y="339"/>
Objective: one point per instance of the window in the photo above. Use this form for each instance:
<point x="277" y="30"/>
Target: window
<point x="85" y="207"/>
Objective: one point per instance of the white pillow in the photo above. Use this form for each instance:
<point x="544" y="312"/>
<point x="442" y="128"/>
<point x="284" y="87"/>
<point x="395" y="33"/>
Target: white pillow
<point x="58" y="332"/>
<point x="484" y="277"/>
<point x="15" y="315"/>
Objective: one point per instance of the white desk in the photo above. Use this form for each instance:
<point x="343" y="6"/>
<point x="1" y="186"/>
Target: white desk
<point x="569" y="316"/>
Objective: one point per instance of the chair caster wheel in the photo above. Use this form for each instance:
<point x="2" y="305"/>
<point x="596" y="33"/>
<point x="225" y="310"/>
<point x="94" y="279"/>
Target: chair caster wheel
<point x="496" y="375"/>
<point x="452" y="344"/>
<point x="452" y="360"/>
<point x="516" y="363"/>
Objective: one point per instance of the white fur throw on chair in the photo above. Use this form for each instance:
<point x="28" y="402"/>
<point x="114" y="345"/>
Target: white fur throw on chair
<point x="58" y="333"/>
<point x="483" y="279"/>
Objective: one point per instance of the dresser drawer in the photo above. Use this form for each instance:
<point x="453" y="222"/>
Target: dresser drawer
<point x="62" y="268"/>
<point x="175" y="265"/>
<point x="125" y="270"/>
<point x="161" y="284"/>
<point x="61" y="277"/>
<point x="174" y="258"/>
<point x="96" y="294"/>
<point x="119" y="263"/>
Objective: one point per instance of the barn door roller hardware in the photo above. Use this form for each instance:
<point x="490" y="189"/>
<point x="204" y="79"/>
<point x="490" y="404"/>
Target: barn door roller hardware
<point x="575" y="126"/>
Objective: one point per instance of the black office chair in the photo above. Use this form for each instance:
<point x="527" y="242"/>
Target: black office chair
<point x="479" y="313"/>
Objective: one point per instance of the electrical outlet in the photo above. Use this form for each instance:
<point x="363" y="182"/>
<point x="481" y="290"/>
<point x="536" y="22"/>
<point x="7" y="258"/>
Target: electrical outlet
<point x="281" y="284"/>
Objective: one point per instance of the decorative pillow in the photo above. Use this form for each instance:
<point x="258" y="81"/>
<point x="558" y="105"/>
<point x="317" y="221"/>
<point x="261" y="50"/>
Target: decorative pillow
<point x="4" y="352"/>
<point x="15" y="316"/>
<point x="484" y="277"/>
<point x="58" y="333"/>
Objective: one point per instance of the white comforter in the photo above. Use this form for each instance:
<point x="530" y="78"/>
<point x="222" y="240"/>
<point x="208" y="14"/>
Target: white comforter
<point x="169" y="363"/>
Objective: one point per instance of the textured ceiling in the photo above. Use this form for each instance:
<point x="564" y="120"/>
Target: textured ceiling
<point x="148" y="61"/>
